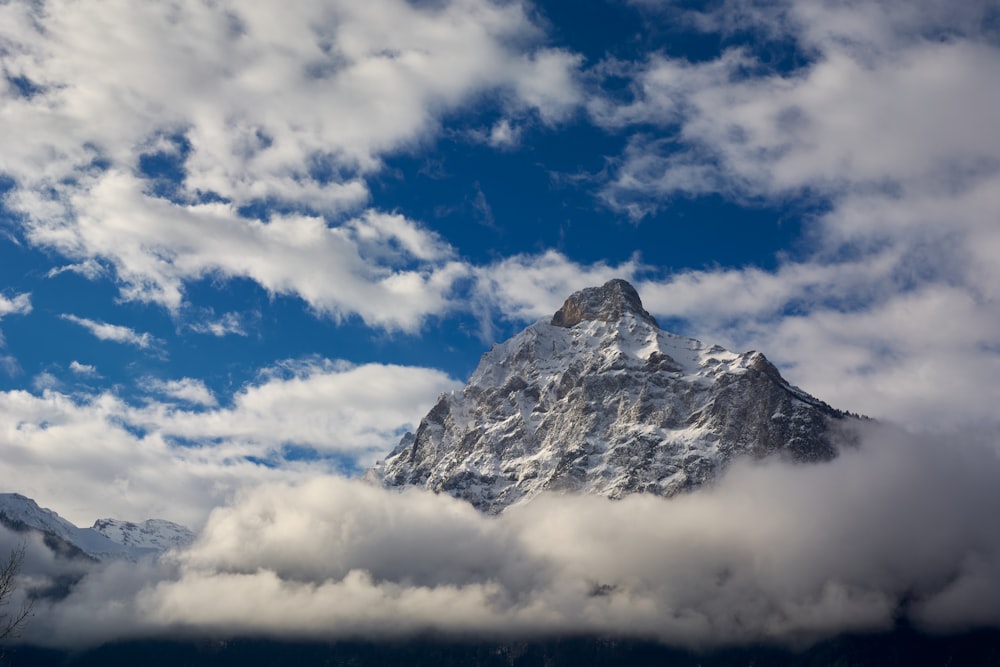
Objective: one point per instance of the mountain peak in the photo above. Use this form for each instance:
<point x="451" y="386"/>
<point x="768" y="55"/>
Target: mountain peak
<point x="613" y="407"/>
<point x="607" y="303"/>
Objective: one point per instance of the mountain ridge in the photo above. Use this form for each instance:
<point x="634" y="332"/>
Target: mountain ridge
<point x="107" y="539"/>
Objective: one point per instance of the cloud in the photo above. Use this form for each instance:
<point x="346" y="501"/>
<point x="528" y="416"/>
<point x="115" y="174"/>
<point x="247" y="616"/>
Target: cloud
<point x="882" y="127"/>
<point x="82" y="369"/>
<point x="9" y="364"/>
<point x="44" y="381"/>
<point x="383" y="267"/>
<point x="359" y="411"/>
<point x="839" y="123"/>
<point x="20" y="304"/>
<point x="113" y="332"/>
<point x="92" y="455"/>
<point x="776" y="552"/>
<point x="504" y="135"/>
<point x="235" y="142"/>
<point x="527" y="287"/>
<point x="228" y="323"/>
<point x="188" y="390"/>
<point x="77" y="454"/>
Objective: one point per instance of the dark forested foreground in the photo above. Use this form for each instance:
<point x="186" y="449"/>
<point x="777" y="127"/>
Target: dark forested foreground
<point x="903" y="648"/>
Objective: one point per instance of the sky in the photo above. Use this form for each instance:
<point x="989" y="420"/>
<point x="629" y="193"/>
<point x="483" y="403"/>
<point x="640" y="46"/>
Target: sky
<point x="244" y="246"/>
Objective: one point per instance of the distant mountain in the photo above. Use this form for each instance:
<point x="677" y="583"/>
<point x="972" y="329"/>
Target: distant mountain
<point x="107" y="539"/>
<point x="599" y="399"/>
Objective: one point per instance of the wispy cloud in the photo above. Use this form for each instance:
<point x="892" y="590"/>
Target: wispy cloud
<point x="188" y="390"/>
<point x="113" y="332"/>
<point x="228" y="323"/>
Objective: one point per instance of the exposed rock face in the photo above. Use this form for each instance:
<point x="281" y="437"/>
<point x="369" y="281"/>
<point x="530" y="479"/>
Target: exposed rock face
<point x="607" y="303"/>
<point x="601" y="400"/>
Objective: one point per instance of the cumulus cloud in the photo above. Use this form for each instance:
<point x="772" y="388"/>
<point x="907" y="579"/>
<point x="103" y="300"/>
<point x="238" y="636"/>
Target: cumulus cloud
<point x="332" y="407"/>
<point x="775" y="552"/>
<point x="171" y="143"/>
<point x="96" y="455"/>
<point x="113" y="332"/>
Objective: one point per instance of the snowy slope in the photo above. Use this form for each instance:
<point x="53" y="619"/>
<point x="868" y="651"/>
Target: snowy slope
<point x="108" y="539"/>
<point x="153" y="535"/>
<point x="599" y="399"/>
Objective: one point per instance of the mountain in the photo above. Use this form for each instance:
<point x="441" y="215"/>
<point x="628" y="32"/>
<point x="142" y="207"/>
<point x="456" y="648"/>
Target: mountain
<point x="107" y="539"/>
<point x="599" y="399"/>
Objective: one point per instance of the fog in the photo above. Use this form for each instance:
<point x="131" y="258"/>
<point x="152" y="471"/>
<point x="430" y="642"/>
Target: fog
<point x="901" y="527"/>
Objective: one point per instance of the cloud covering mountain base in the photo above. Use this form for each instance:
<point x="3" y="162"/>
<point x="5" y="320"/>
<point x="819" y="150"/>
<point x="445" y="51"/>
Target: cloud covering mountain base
<point x="900" y="528"/>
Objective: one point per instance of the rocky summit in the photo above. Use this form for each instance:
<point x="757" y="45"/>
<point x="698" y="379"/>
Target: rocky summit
<point x="599" y="399"/>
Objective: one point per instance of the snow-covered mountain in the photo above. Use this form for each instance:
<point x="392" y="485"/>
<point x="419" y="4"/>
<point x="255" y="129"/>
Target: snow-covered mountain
<point x="599" y="399"/>
<point x="107" y="539"/>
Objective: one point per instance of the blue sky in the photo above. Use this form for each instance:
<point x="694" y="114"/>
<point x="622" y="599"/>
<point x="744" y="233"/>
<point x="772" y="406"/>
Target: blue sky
<point x="254" y="243"/>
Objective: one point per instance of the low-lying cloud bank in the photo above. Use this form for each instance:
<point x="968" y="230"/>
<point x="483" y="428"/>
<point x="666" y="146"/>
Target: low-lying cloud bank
<point x="902" y="527"/>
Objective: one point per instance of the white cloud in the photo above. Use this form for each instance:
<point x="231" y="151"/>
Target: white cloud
<point x="504" y="134"/>
<point x="113" y="332"/>
<point x="254" y="103"/>
<point x="77" y="456"/>
<point x="20" y="304"/>
<point x="92" y="456"/>
<point x="8" y="363"/>
<point x="546" y="81"/>
<point x="383" y="267"/>
<point x="89" y="268"/>
<point x="927" y="358"/>
<point x="528" y="287"/>
<point x="775" y="552"/>
<point x="188" y="390"/>
<point x="888" y="122"/>
<point x="83" y="369"/>
<point x="332" y="407"/>
<point x="228" y="323"/>
<point x="44" y="381"/>
<point x="901" y="121"/>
